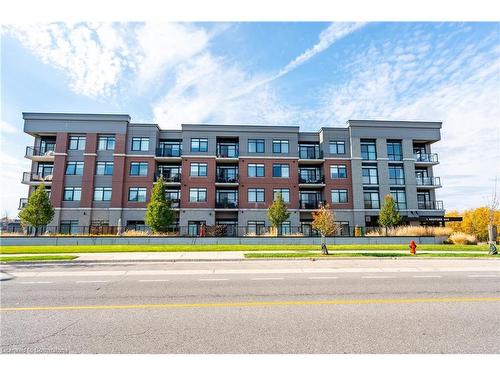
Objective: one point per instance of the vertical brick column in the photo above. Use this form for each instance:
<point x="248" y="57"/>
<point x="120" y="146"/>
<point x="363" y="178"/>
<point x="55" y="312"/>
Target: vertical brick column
<point x="56" y="194"/>
<point x="118" y="171"/>
<point x="89" y="160"/>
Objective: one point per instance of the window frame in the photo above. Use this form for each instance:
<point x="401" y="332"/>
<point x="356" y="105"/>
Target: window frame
<point x="257" y="192"/>
<point x="108" y="139"/>
<point x="142" y="141"/>
<point x="198" y="167"/>
<point x="105" y="167"/>
<point x="78" y="166"/>
<point x="390" y="147"/>
<point x="139" y="165"/>
<point x="371" y="154"/>
<point x="280" y="191"/>
<point x="340" y="194"/>
<point x="396" y="180"/>
<point x="281" y="167"/>
<point x="81" y="142"/>
<point x="336" y="145"/>
<point x="371" y="192"/>
<point x="338" y="167"/>
<point x="281" y="143"/>
<point x="401" y="204"/>
<point x="138" y="191"/>
<point x="75" y="191"/>
<point x="370" y="177"/>
<point x="198" y="191"/>
<point x="103" y="194"/>
<point x="258" y="167"/>
<point x="257" y="142"/>
<point x="200" y="141"/>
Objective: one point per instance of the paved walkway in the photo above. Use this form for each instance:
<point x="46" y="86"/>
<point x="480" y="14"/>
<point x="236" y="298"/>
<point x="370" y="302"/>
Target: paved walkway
<point x="205" y="255"/>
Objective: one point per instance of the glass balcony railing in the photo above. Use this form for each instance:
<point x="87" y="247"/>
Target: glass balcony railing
<point x="428" y="181"/>
<point x="226" y="204"/>
<point x="227" y="178"/>
<point x="169" y="177"/>
<point x="35" y="177"/>
<point x="35" y="151"/>
<point x="227" y="150"/>
<point x="426" y="158"/>
<point x="167" y="152"/>
<point x="309" y="204"/>
<point x="430" y="205"/>
<point x="310" y="153"/>
<point x="311" y="179"/>
<point x="175" y="203"/>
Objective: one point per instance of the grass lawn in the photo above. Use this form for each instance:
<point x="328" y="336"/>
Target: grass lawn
<point x="36" y="258"/>
<point x="174" y="248"/>
<point x="367" y="254"/>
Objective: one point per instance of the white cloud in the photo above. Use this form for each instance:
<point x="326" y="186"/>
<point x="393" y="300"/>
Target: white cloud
<point x="5" y="127"/>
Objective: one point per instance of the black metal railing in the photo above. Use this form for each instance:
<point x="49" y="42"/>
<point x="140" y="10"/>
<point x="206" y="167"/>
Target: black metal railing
<point x="227" y="151"/>
<point x="311" y="179"/>
<point x="175" y="203"/>
<point x="168" y="152"/>
<point x="310" y="153"/>
<point x="35" y="177"/>
<point x="309" y="204"/>
<point x="428" y="181"/>
<point x="426" y="158"/>
<point x="22" y="203"/>
<point x="226" y="204"/>
<point x="36" y="151"/>
<point x="430" y="205"/>
<point x="169" y="177"/>
<point x="227" y="178"/>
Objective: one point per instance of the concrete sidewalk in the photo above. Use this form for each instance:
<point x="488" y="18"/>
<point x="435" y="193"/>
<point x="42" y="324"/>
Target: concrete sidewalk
<point x="206" y="255"/>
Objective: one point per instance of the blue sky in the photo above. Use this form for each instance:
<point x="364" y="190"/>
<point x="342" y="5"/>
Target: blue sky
<point x="308" y="74"/>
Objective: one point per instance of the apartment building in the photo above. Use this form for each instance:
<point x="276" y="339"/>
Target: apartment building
<point x="100" y="169"/>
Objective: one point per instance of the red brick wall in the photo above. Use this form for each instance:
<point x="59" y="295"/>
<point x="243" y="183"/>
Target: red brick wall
<point x="138" y="181"/>
<point x="89" y="170"/>
<point x="188" y="181"/>
<point x="268" y="182"/>
<point x="118" y="171"/>
<point x="56" y="194"/>
<point x="344" y="183"/>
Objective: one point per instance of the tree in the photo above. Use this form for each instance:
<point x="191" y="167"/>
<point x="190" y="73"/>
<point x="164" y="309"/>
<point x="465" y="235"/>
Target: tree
<point x="389" y="214"/>
<point x="324" y="223"/>
<point x="38" y="211"/>
<point x="159" y="213"/>
<point x="278" y="213"/>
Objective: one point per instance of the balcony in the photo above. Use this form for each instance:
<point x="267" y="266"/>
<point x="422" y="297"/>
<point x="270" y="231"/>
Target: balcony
<point x="309" y="204"/>
<point x="167" y="152"/>
<point x="39" y="154"/>
<point x="430" y="205"/>
<point x="312" y="180"/>
<point x="310" y="153"/>
<point x="175" y="203"/>
<point x="227" y="179"/>
<point x="22" y="203"/>
<point x="35" y="178"/>
<point x="428" y="181"/>
<point x="227" y="204"/>
<point x="227" y="150"/>
<point x="169" y="177"/>
<point x="426" y="158"/>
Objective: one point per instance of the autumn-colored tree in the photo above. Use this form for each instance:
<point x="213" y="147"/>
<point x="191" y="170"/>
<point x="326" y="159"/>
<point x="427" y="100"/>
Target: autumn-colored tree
<point x="475" y="221"/>
<point x="324" y="223"/>
<point x="278" y="213"/>
<point x="456" y="226"/>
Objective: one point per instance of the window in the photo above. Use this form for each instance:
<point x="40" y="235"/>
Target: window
<point x="194" y="227"/>
<point x="199" y="144"/>
<point x="256" y="195"/>
<point x="137" y="194"/>
<point x="197" y="194"/>
<point x="138" y="169"/>
<point x="256" y="227"/>
<point x="102" y="194"/>
<point x="74" y="168"/>
<point x="104" y="168"/>
<point x="339" y="196"/>
<point x="72" y="194"/>
<point x="371" y="199"/>
<point x="280" y="146"/>
<point x="285" y="229"/>
<point x="337" y="147"/>
<point x="169" y="149"/>
<point x="338" y="171"/>
<point x="172" y="195"/>
<point x="256" y="146"/>
<point x="399" y="196"/>
<point x="255" y="170"/>
<point x="76" y="142"/>
<point x="140" y="144"/>
<point x="370" y="175"/>
<point x="281" y="170"/>
<point x="45" y="169"/>
<point x="394" y="150"/>
<point x="368" y="150"/>
<point x="69" y="227"/>
<point x="396" y="175"/>
<point x="285" y="194"/>
<point x="198" y="169"/>
<point x="106" y="142"/>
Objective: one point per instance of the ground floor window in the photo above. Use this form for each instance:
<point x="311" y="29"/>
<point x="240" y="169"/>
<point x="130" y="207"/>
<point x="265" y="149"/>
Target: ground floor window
<point x="343" y="228"/>
<point x="256" y="228"/>
<point x="194" y="227"/>
<point x="285" y="229"/>
<point x="69" y="227"/>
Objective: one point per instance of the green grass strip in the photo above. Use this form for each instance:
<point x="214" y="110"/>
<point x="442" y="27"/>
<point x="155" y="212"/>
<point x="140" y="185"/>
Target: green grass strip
<point x="365" y="254"/>
<point x="237" y="247"/>
<point x="33" y="258"/>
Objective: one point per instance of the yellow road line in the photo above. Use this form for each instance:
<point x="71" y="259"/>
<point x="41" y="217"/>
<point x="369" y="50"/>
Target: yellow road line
<point x="255" y="304"/>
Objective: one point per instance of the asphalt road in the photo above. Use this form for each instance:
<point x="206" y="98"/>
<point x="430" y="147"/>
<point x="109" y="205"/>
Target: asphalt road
<point x="331" y="306"/>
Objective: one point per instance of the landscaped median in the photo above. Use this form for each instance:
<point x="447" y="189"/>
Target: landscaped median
<point x="268" y="249"/>
<point x="378" y="254"/>
<point x="37" y="258"/>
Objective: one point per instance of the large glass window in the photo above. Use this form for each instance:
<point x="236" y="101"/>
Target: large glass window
<point x="281" y="170"/>
<point x="138" y="169"/>
<point x="285" y="229"/>
<point x="76" y="142"/>
<point x="256" y="146"/>
<point x="256" y="227"/>
<point x="339" y="196"/>
<point x="197" y="194"/>
<point x="198" y="169"/>
<point x="199" y="144"/>
<point x="280" y="146"/>
<point x="74" y="168"/>
<point x="102" y="194"/>
<point x="338" y="171"/>
<point x="72" y="193"/>
<point x="255" y="170"/>
<point x="104" y="168"/>
<point x="285" y="194"/>
<point x="396" y="175"/>
<point x="368" y="150"/>
<point x="169" y="149"/>
<point x="106" y="142"/>
<point x="370" y="175"/>
<point x="394" y="150"/>
<point x="137" y="194"/>
<point x="337" y="147"/>
<point x="399" y="196"/>
<point x="256" y="195"/>
<point x="371" y="199"/>
<point x="69" y="227"/>
<point x="140" y="144"/>
<point x="45" y="169"/>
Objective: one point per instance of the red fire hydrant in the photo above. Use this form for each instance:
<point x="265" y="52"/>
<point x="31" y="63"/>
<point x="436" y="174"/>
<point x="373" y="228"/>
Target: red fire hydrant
<point x="413" y="247"/>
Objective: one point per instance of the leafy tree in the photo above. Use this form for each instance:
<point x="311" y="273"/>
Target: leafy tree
<point x="159" y="213"/>
<point x="324" y="223"/>
<point x="475" y="221"/>
<point x="38" y="211"/>
<point x="389" y="214"/>
<point x="278" y="212"/>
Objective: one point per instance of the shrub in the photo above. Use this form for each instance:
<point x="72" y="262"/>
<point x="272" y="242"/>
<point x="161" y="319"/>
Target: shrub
<point x="133" y="232"/>
<point x="460" y="238"/>
<point x="412" y="230"/>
